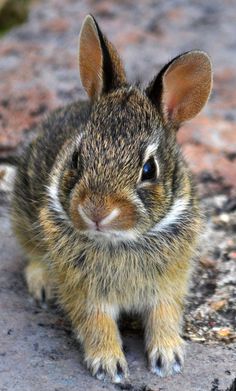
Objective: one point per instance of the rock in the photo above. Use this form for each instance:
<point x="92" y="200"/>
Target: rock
<point x="232" y="255"/>
<point x="223" y="333"/>
<point x="207" y="262"/>
<point x="7" y="175"/>
<point x="218" y="305"/>
<point x="224" y="218"/>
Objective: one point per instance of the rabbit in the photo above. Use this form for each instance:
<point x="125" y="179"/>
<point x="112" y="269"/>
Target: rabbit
<point x="106" y="209"/>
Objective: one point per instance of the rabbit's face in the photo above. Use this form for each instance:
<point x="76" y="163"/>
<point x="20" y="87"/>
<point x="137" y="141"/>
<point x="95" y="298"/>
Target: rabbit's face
<point x="120" y="176"/>
<point x="122" y="182"/>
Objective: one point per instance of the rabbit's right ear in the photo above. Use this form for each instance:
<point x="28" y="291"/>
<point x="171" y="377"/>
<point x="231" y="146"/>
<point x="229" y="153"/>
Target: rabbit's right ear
<point x="100" y="66"/>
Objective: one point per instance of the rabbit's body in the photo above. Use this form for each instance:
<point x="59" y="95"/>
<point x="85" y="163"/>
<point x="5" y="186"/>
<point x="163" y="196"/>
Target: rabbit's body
<point x="123" y="273"/>
<point x="39" y="159"/>
<point x="106" y="234"/>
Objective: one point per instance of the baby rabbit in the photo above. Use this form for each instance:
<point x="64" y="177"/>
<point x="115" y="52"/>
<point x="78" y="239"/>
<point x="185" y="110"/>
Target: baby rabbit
<point x="106" y="209"/>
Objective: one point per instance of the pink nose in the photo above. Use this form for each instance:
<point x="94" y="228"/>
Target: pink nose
<point x="96" y="219"/>
<point x="93" y="216"/>
<point x="96" y="216"/>
<point x="100" y="217"/>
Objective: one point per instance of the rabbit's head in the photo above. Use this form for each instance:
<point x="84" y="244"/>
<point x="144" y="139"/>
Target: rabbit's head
<point x="124" y="172"/>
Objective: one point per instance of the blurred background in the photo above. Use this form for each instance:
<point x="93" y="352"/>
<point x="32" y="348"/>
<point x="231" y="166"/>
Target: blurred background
<point x="38" y="73"/>
<point x="38" y="67"/>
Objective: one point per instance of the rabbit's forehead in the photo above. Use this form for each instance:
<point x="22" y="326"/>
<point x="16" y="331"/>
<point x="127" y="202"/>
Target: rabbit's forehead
<point x="123" y="147"/>
<point x="114" y="163"/>
<point x="126" y="113"/>
<point x="124" y="123"/>
<point x="108" y="151"/>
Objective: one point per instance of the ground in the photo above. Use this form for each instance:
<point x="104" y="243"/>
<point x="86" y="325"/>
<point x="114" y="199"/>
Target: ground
<point x="39" y="73"/>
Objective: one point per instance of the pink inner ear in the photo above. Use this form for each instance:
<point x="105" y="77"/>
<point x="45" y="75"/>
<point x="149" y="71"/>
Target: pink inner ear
<point x="186" y="87"/>
<point x="178" y="84"/>
<point x="170" y="106"/>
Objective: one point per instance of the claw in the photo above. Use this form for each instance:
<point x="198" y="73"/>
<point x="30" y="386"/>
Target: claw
<point x="108" y="368"/>
<point x="166" y="362"/>
<point x="158" y="367"/>
<point x="100" y="374"/>
<point x="177" y="366"/>
<point x="43" y="295"/>
<point x="120" y="374"/>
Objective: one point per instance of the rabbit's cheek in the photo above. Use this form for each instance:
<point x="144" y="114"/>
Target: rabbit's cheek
<point x="128" y="214"/>
<point x="76" y="217"/>
<point x="68" y="181"/>
<point x="155" y="200"/>
<point x="160" y="198"/>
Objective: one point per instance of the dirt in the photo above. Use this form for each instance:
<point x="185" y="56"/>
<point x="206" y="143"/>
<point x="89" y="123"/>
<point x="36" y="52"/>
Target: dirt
<point x="211" y="311"/>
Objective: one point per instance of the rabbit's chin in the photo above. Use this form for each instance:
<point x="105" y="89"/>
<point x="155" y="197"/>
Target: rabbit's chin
<point x="113" y="236"/>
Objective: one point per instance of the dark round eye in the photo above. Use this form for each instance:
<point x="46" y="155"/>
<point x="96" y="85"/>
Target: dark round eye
<point x="149" y="172"/>
<point x="74" y="160"/>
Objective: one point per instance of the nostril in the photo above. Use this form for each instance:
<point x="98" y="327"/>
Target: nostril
<point x="97" y="225"/>
<point x="97" y="216"/>
<point x="96" y="220"/>
<point x="85" y="216"/>
<point x="90" y="216"/>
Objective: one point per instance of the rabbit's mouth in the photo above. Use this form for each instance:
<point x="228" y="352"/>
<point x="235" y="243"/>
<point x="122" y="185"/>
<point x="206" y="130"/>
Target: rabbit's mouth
<point x="104" y="216"/>
<point x="100" y="227"/>
<point x="113" y="236"/>
<point x="97" y="221"/>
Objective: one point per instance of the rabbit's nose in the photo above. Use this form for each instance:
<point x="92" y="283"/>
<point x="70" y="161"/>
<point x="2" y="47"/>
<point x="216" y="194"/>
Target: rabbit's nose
<point x="97" y="218"/>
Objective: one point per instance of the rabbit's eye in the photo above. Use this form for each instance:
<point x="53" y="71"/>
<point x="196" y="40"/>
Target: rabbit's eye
<point x="74" y="160"/>
<point x="149" y="172"/>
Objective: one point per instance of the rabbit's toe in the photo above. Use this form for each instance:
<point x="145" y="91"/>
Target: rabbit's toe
<point x="108" y="366"/>
<point x="166" y="361"/>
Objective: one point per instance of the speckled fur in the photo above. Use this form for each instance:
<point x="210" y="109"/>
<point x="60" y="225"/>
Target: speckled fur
<point x="97" y="277"/>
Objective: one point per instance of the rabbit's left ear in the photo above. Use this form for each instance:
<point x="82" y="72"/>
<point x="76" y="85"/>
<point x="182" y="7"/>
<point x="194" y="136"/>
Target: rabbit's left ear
<point x="101" y="69"/>
<point x="182" y="87"/>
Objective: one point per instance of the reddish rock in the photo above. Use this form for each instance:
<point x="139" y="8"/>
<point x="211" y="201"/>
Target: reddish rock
<point x="202" y="158"/>
<point x="212" y="132"/>
<point x="57" y="25"/>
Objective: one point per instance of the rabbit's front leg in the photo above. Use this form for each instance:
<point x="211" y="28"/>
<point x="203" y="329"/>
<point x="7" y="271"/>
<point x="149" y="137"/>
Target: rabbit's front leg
<point x="164" y="345"/>
<point x="39" y="281"/>
<point x="99" y="334"/>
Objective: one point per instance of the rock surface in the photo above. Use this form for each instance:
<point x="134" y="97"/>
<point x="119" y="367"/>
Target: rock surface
<point x="39" y="73"/>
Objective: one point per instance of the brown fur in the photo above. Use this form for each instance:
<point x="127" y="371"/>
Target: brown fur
<point x="101" y="208"/>
<point x="90" y="163"/>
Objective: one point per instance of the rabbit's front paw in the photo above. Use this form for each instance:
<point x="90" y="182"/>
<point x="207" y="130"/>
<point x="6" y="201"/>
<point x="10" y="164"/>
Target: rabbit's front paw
<point x="166" y="361"/>
<point x="39" y="283"/>
<point x="108" y="365"/>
